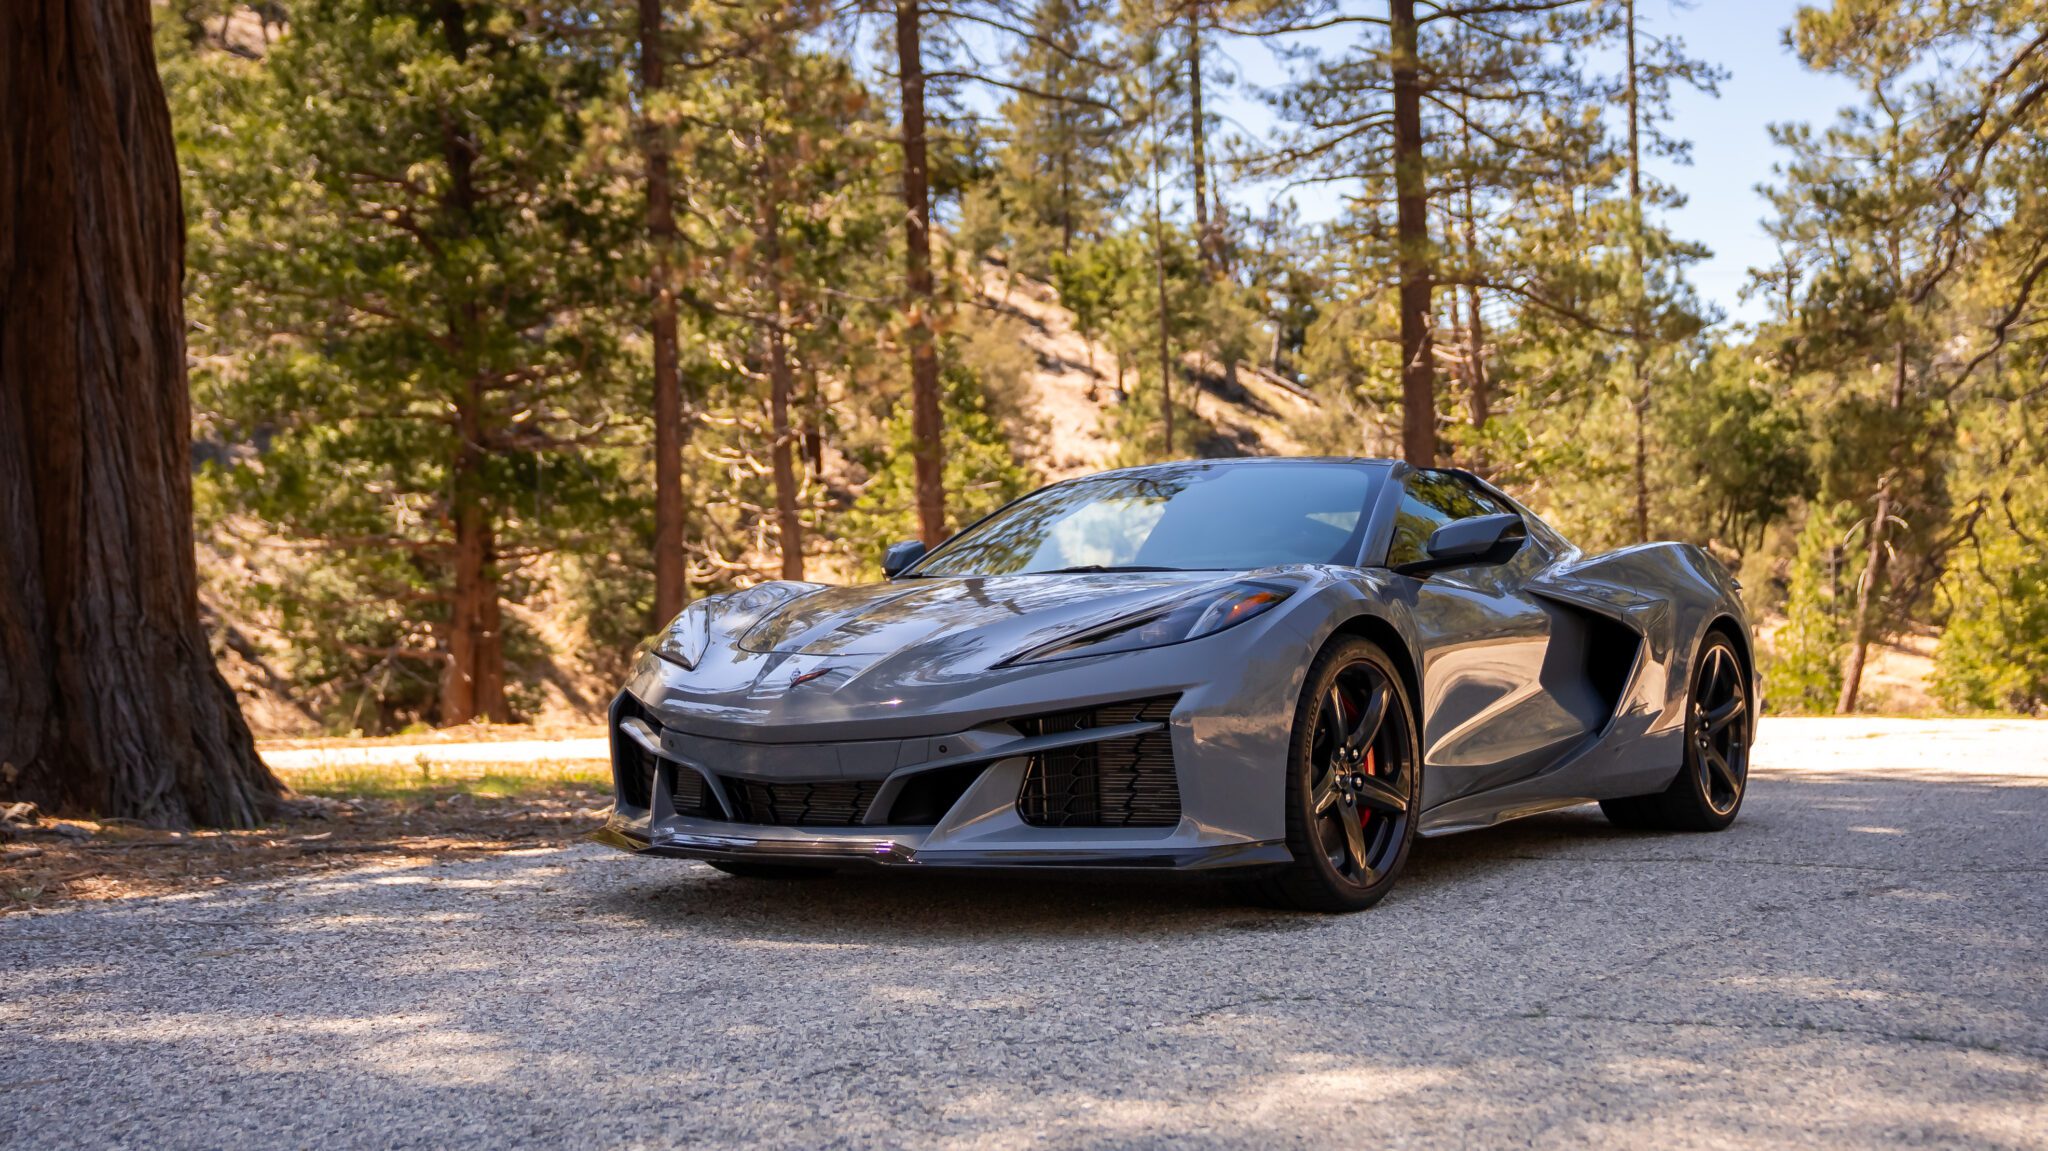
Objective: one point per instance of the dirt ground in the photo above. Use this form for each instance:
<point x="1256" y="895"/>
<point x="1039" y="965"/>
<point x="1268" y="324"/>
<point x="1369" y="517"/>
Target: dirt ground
<point x="46" y="862"/>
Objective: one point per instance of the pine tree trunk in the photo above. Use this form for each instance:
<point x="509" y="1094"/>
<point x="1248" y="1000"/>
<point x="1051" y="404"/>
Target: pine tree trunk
<point x="1411" y="228"/>
<point x="1639" y="397"/>
<point x="926" y="422"/>
<point x="789" y="525"/>
<point x="1875" y="567"/>
<point x="473" y="680"/>
<point x="1866" y="591"/>
<point x="814" y="423"/>
<point x="1205" y="232"/>
<point x="671" y="566"/>
<point x="109" y="698"/>
<point x="1479" y="396"/>
<point x="1165" y="325"/>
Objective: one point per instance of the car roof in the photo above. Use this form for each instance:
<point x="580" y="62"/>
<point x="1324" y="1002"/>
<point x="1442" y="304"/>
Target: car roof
<point x="1243" y="462"/>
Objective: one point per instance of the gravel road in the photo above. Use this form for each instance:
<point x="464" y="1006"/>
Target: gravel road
<point x="1862" y="960"/>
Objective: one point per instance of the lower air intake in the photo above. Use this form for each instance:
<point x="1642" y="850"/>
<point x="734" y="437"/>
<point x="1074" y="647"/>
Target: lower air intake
<point x="1127" y="782"/>
<point x="830" y="804"/>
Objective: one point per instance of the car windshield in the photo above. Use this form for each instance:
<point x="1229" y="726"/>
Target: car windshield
<point x="1197" y="517"/>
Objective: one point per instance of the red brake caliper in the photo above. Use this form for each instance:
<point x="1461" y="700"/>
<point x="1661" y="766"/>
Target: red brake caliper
<point x="1364" y="813"/>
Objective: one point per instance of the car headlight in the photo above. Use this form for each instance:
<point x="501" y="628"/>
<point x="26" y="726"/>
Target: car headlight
<point x="1204" y="614"/>
<point x="685" y="639"/>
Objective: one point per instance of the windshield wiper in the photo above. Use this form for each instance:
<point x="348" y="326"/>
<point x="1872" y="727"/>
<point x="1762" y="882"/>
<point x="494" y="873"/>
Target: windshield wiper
<point x="1093" y="569"/>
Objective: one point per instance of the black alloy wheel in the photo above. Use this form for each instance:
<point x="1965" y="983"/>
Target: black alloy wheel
<point x="1354" y="788"/>
<point x="1720" y="724"/>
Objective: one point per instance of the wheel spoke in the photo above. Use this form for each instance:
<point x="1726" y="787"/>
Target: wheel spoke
<point x="1326" y="790"/>
<point x="1332" y="718"/>
<point x="1354" y="843"/>
<point x="1368" y="727"/>
<point x="1381" y="795"/>
<point x="1718" y="763"/>
<point x="1724" y="715"/>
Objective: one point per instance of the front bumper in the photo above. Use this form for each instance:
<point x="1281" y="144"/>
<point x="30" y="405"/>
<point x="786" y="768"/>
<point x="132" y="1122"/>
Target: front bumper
<point x="1227" y="730"/>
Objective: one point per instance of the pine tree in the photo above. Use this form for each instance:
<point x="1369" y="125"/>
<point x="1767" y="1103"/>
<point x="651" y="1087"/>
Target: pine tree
<point x="1053" y="174"/>
<point x="1385" y="113"/>
<point x="409" y="294"/>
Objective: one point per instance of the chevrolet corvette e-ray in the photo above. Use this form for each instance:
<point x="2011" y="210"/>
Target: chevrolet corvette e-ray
<point x="1282" y="669"/>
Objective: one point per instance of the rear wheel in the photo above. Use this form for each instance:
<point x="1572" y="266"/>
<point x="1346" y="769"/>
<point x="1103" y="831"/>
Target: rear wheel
<point x="1354" y="782"/>
<point x="770" y="870"/>
<point x="1720" y="722"/>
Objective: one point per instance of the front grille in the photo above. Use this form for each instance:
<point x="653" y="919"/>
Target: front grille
<point x="689" y="794"/>
<point x="1126" y="782"/>
<point x="834" y="803"/>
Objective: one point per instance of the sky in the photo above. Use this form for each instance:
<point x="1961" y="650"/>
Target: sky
<point x="1732" y="149"/>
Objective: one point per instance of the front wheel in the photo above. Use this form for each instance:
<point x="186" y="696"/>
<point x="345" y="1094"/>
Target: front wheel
<point x="1720" y="723"/>
<point x="1354" y="782"/>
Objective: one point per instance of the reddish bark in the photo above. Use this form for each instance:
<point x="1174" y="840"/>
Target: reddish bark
<point x="671" y="573"/>
<point x="926" y="423"/>
<point x="109" y="698"/>
<point x="1411" y="228"/>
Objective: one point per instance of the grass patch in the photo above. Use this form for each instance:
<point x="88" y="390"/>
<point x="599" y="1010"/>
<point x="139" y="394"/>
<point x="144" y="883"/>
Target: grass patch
<point x="425" y="779"/>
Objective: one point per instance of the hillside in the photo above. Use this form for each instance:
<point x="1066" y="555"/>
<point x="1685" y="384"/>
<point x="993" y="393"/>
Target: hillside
<point x="1069" y="387"/>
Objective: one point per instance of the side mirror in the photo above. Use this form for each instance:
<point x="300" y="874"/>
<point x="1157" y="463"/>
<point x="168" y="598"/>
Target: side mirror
<point x="1479" y="540"/>
<point x="900" y="556"/>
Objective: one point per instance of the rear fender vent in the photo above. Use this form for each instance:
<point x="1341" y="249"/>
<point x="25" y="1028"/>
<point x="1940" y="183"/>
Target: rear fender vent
<point x="1127" y="782"/>
<point x="1611" y="651"/>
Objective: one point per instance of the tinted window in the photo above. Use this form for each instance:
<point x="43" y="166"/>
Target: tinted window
<point x="1429" y="500"/>
<point x="1194" y="517"/>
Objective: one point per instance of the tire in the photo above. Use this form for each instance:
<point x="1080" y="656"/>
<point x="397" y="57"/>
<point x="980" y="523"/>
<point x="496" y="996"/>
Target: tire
<point x="1334" y="788"/>
<point x="770" y="870"/>
<point x="1720" y="724"/>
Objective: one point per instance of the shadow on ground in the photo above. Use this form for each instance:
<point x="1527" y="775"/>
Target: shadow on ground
<point x="1859" y="961"/>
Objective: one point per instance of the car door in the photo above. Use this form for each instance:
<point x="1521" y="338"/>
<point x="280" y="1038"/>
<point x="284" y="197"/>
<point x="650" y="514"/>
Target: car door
<point x="1487" y="719"/>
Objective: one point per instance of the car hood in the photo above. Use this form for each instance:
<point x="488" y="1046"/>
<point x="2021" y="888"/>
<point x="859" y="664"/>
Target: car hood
<point x="879" y="619"/>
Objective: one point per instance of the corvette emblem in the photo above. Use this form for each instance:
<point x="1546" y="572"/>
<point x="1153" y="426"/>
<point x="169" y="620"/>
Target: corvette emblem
<point x="797" y="677"/>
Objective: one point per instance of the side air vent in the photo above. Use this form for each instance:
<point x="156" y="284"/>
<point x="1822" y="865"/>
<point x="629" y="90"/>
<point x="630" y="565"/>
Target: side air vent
<point x="1611" y="650"/>
<point x="632" y="766"/>
<point x="834" y="803"/>
<point x="1126" y="782"/>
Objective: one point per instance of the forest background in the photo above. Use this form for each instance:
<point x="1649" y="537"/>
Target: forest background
<point x="512" y="327"/>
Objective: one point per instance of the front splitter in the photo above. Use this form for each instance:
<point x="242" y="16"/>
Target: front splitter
<point x="784" y="848"/>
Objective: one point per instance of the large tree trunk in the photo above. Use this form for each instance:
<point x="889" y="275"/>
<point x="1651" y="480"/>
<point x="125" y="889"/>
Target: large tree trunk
<point x="671" y="570"/>
<point x="926" y="423"/>
<point x="1411" y="228"/>
<point x="473" y="679"/>
<point x="109" y="698"/>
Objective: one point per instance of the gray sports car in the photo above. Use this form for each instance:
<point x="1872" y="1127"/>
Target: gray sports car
<point x="1285" y="669"/>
